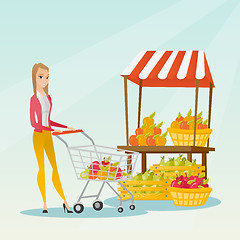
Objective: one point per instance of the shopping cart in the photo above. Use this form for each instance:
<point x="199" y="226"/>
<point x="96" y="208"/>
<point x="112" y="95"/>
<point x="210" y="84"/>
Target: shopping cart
<point x="102" y="164"/>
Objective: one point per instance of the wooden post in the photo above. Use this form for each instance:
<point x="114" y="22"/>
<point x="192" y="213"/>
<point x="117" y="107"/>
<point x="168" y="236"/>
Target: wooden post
<point x="189" y="157"/>
<point x="210" y="108"/>
<point x="144" y="162"/>
<point x="196" y="105"/>
<point x="129" y="163"/>
<point x="126" y="108"/>
<point x="139" y="102"/>
<point x="204" y="163"/>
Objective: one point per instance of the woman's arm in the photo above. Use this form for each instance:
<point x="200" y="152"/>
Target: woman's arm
<point x="55" y="124"/>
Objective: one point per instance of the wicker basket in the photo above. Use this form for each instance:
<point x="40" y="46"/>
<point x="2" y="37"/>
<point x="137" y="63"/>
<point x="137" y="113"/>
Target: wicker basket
<point x="181" y="137"/>
<point x="189" y="197"/>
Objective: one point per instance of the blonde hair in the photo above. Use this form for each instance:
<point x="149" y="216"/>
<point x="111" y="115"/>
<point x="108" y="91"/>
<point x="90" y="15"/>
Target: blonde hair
<point x="34" y="73"/>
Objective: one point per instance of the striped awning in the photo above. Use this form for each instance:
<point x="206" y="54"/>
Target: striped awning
<point x="169" y="69"/>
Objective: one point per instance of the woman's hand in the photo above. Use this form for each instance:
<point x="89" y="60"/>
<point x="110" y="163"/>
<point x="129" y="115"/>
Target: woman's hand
<point x="58" y="131"/>
<point x="71" y="129"/>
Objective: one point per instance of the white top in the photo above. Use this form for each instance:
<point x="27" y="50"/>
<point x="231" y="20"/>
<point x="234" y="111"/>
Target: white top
<point x="133" y="64"/>
<point x="45" y="104"/>
<point x="197" y="64"/>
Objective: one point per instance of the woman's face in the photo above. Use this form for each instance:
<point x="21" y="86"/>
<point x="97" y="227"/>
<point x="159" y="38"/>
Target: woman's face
<point x="42" y="78"/>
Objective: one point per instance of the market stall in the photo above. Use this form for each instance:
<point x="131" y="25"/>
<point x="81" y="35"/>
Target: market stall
<point x="187" y="69"/>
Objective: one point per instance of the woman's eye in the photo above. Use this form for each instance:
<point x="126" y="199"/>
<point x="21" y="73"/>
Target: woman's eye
<point x="47" y="77"/>
<point x="40" y="77"/>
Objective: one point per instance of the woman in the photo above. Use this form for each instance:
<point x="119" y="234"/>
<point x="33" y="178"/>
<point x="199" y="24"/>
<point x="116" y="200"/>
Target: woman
<point x="40" y="106"/>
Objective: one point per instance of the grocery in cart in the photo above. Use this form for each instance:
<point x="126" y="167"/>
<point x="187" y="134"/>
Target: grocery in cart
<point x="100" y="163"/>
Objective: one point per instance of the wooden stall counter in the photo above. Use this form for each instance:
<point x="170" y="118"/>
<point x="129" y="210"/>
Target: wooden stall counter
<point x="189" y="150"/>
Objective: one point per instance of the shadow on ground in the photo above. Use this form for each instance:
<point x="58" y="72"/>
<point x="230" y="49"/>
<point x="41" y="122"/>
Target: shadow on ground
<point x="163" y="205"/>
<point x="111" y="212"/>
<point x="88" y="212"/>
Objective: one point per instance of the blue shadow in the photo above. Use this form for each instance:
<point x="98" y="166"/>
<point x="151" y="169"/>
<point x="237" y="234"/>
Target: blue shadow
<point x="141" y="209"/>
<point x="87" y="213"/>
<point x="163" y="205"/>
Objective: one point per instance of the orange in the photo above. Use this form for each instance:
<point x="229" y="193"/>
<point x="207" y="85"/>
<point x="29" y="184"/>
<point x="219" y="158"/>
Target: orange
<point x="142" y="140"/>
<point x="149" y="121"/>
<point x="151" y="141"/>
<point x="91" y="175"/>
<point x="187" y="119"/>
<point x="146" y="130"/>
<point x="112" y="168"/>
<point x="139" y="131"/>
<point x="133" y="140"/>
<point x="175" y="124"/>
<point x="161" y="141"/>
<point x="191" y="125"/>
<point x="102" y="175"/>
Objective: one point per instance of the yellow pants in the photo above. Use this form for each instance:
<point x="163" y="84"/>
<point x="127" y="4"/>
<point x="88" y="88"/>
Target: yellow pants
<point x="43" y="141"/>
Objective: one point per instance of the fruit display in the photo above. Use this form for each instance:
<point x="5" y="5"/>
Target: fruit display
<point x="190" y="181"/>
<point x="146" y="186"/>
<point x="182" y="130"/>
<point x="179" y="161"/>
<point x="175" y="167"/>
<point x="187" y="122"/>
<point x="147" y="176"/>
<point x="103" y="171"/>
<point x="149" y="134"/>
<point x="190" y="191"/>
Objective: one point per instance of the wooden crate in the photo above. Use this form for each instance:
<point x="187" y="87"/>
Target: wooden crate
<point x="165" y="195"/>
<point x="169" y="171"/>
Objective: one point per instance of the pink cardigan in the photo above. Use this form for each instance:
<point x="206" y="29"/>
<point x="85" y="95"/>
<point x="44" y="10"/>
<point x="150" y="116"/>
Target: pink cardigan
<point x="35" y="107"/>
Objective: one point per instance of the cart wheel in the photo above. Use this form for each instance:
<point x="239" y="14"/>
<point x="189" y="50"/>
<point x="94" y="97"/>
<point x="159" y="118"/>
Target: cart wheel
<point x="132" y="207"/>
<point x="78" y="207"/>
<point x="120" y="209"/>
<point x="98" y="205"/>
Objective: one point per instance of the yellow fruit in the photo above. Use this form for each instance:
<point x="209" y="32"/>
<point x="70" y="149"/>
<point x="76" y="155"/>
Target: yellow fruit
<point x="191" y="125"/>
<point x="102" y="175"/>
<point x="175" y="124"/>
<point x="149" y="121"/>
<point x="161" y="141"/>
<point x="142" y="141"/>
<point x="146" y="130"/>
<point x="187" y="119"/>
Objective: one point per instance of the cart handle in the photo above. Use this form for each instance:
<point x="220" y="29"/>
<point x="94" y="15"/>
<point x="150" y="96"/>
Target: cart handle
<point x="72" y="131"/>
<point x="75" y="131"/>
<point x="67" y="132"/>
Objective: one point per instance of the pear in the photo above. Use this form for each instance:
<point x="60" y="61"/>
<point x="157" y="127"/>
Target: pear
<point x="139" y="177"/>
<point x="182" y="163"/>
<point x="115" y="164"/>
<point x="84" y="174"/>
<point x="145" y="175"/>
<point x="134" y="178"/>
<point x="111" y="176"/>
<point x="171" y="162"/>
<point x="162" y="162"/>
<point x="177" y="161"/>
<point x="150" y="176"/>
<point x="188" y="163"/>
<point x="155" y="178"/>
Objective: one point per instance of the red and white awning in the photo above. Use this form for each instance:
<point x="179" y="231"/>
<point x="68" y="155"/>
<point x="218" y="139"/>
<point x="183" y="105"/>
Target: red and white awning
<point x="169" y="69"/>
